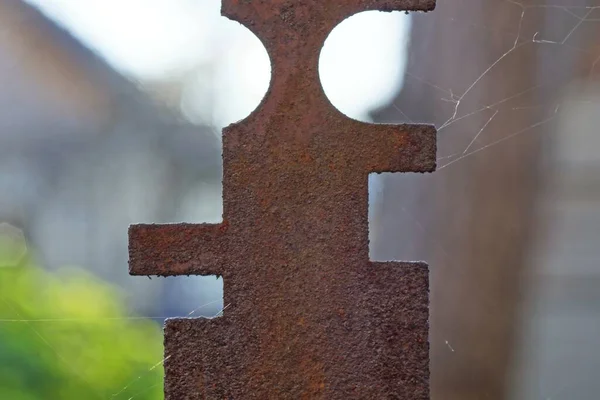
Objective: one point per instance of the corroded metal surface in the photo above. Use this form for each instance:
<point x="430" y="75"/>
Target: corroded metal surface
<point x="308" y="315"/>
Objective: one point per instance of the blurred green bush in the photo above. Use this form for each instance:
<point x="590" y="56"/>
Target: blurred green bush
<point x="65" y="335"/>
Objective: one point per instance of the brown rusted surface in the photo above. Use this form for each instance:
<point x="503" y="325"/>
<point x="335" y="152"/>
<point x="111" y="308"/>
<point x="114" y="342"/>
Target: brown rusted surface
<point x="308" y="315"/>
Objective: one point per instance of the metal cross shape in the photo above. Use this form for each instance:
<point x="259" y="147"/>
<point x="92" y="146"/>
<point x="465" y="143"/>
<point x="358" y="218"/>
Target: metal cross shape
<point x="309" y="316"/>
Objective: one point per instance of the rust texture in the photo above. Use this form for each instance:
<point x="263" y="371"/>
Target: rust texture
<point x="308" y="315"/>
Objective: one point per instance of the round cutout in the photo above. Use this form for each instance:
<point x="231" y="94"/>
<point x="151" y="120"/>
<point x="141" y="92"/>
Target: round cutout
<point x="363" y="60"/>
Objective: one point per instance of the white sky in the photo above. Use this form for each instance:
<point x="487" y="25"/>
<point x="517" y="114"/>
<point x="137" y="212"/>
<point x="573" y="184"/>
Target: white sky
<point x="153" y="40"/>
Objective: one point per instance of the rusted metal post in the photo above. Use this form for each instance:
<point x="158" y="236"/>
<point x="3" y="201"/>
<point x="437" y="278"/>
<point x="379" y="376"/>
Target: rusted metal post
<point x="309" y="315"/>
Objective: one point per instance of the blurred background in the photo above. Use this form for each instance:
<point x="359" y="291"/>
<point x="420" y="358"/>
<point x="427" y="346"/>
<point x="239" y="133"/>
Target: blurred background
<point x="111" y="112"/>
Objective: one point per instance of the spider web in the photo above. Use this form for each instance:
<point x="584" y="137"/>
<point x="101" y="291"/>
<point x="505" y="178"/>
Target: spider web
<point x="504" y="85"/>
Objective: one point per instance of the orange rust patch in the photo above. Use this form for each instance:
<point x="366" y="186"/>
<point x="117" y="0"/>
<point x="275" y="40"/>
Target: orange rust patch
<point x="306" y="158"/>
<point x="224" y="226"/>
<point x="401" y="140"/>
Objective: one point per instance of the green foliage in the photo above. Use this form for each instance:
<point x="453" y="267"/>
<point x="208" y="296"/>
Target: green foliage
<point x="65" y="336"/>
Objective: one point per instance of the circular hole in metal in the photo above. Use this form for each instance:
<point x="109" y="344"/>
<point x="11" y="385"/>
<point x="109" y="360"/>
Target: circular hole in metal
<point x="363" y="60"/>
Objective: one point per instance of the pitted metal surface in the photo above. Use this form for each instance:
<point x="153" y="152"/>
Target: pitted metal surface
<point x="308" y="315"/>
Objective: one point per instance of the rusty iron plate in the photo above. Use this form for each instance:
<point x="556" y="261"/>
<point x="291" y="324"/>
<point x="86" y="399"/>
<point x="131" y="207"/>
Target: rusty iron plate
<point x="308" y="315"/>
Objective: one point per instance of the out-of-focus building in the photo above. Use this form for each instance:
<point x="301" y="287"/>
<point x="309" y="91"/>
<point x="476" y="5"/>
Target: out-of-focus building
<point x="509" y="222"/>
<point x="84" y="153"/>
